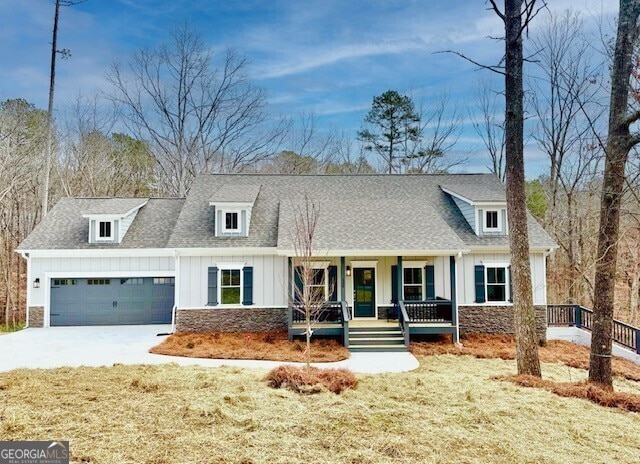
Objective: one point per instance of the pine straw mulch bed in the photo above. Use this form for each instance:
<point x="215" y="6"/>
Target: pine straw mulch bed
<point x="266" y="346"/>
<point x="503" y="347"/>
<point x="555" y="351"/>
<point x="310" y="380"/>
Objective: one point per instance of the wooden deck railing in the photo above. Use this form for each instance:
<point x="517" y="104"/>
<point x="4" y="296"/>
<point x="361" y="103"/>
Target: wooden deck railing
<point x="438" y="310"/>
<point x="330" y="312"/>
<point x="568" y="315"/>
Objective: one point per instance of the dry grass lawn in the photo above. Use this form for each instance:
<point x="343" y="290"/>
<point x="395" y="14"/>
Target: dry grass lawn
<point x="271" y="346"/>
<point x="449" y="410"/>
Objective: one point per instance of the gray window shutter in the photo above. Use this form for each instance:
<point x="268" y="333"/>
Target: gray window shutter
<point x="247" y="286"/>
<point x="480" y="222"/>
<point x="430" y="280"/>
<point x="479" y="273"/>
<point x="394" y="284"/>
<point x="212" y="287"/>
<point x="333" y="283"/>
<point x="297" y="290"/>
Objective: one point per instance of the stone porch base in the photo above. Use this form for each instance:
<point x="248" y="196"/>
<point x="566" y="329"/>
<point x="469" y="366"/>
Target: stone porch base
<point x="231" y="319"/>
<point x="497" y="320"/>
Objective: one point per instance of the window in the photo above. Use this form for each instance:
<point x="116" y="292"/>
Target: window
<point x="231" y="221"/>
<point x="99" y="281"/>
<point x="412" y="284"/>
<point x="318" y="285"/>
<point x="230" y="287"/>
<point x="60" y="282"/>
<point x="136" y="281"/>
<point x="105" y="230"/>
<point x="496" y="283"/>
<point x="491" y="220"/>
<point x="164" y="280"/>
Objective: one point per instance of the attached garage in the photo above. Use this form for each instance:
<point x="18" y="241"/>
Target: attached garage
<point x="111" y="301"/>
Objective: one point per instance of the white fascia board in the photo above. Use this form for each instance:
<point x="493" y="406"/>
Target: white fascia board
<point x="356" y="253"/>
<point x="506" y="249"/>
<point x="100" y="252"/>
<point x="234" y="205"/>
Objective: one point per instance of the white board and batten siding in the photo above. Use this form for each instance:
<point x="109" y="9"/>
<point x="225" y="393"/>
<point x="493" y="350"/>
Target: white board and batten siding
<point x="466" y="275"/>
<point x="101" y="266"/>
<point x="269" y="279"/>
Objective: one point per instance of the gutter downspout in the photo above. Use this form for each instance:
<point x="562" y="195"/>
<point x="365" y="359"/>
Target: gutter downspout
<point x="176" y="295"/>
<point x="457" y="259"/>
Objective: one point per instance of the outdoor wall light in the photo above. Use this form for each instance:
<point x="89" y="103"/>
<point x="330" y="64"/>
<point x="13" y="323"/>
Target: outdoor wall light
<point x="36" y="283"/>
<point x="348" y="271"/>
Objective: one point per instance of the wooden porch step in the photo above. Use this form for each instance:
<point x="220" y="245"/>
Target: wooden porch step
<point x="377" y="341"/>
<point x="388" y="333"/>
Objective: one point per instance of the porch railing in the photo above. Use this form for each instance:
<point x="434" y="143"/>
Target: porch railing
<point x="568" y="315"/>
<point x="403" y="320"/>
<point x="438" y="310"/>
<point x="330" y="312"/>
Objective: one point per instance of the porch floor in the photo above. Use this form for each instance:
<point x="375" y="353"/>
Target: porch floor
<point x="372" y="323"/>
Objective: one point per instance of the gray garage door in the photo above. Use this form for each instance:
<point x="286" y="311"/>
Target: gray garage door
<point x="112" y="301"/>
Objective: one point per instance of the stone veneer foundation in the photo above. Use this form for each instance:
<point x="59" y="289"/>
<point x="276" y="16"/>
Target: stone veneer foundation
<point x="497" y="320"/>
<point x="231" y="319"/>
<point x="36" y="316"/>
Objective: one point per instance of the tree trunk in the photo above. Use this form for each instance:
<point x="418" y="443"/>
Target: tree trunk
<point x="52" y="83"/>
<point x="526" y="340"/>
<point x="619" y="142"/>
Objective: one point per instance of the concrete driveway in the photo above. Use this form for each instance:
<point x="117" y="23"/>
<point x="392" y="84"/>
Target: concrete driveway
<point x="129" y="344"/>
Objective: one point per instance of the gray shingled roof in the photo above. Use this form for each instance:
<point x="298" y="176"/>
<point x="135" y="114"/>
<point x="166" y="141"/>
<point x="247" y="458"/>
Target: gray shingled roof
<point x="232" y="193"/>
<point x="365" y="212"/>
<point x="357" y="212"/>
<point x="483" y="188"/>
<point x="114" y="205"/>
<point x="65" y="228"/>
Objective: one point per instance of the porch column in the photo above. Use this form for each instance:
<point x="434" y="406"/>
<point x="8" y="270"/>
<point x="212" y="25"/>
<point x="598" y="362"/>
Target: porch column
<point x="343" y="290"/>
<point x="290" y="298"/>
<point x="454" y="300"/>
<point x="399" y="278"/>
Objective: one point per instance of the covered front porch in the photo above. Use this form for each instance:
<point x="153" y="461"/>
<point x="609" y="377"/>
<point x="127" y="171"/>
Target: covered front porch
<point x="387" y="296"/>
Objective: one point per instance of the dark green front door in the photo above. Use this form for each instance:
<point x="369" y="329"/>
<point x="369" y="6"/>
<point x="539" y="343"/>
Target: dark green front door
<point x="364" y="292"/>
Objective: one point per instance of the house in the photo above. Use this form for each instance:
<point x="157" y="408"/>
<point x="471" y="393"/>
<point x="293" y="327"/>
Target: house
<point x="431" y="251"/>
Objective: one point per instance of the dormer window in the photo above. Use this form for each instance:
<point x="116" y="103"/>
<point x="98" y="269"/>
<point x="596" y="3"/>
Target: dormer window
<point x="105" y="230"/>
<point x="231" y="222"/>
<point x="491" y="221"/>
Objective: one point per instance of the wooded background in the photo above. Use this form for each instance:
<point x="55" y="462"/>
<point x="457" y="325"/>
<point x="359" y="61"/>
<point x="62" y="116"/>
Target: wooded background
<point x="177" y="110"/>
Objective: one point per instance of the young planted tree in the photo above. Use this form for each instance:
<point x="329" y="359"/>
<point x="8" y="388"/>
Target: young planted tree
<point x="620" y="141"/>
<point x="393" y="123"/>
<point x="309" y="297"/>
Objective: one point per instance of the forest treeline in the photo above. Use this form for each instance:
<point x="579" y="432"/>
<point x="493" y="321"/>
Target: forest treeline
<point x="178" y="109"/>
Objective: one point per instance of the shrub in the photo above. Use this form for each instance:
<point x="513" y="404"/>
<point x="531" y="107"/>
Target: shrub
<point x="310" y="380"/>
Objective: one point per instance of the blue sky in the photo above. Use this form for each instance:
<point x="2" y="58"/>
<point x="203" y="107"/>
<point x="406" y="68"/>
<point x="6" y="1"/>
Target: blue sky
<point x="329" y="57"/>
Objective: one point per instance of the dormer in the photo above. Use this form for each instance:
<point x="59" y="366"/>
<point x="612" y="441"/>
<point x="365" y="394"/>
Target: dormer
<point x="110" y="219"/>
<point x="232" y="206"/>
<point x="486" y="215"/>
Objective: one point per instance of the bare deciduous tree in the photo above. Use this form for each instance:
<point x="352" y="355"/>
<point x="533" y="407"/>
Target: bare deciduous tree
<point x="195" y="116"/>
<point x="489" y="125"/>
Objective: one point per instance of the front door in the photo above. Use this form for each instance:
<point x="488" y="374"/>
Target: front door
<point x="364" y="293"/>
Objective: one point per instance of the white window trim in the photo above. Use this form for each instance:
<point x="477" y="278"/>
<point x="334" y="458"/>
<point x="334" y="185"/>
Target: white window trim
<point x="97" y="231"/>
<point x="506" y="283"/>
<point x="415" y="265"/>
<point x="230" y="268"/>
<point x="484" y="220"/>
<point x="223" y="226"/>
